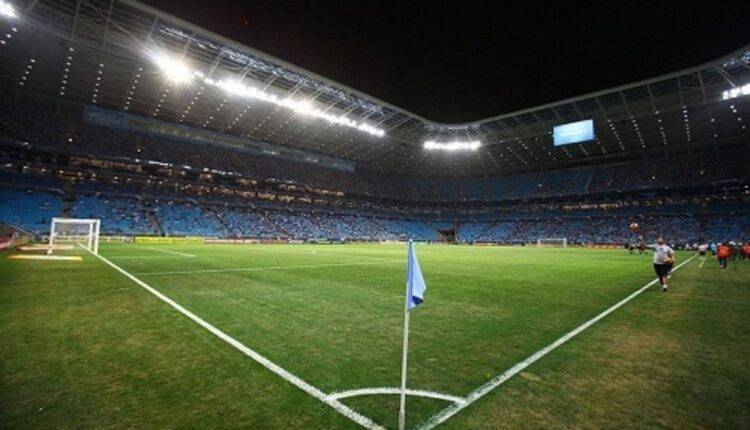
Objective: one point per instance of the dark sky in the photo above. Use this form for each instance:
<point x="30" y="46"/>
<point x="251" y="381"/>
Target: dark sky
<point x="466" y="60"/>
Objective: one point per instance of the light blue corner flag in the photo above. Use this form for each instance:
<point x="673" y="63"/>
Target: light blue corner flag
<point x="415" y="289"/>
<point x="415" y="285"/>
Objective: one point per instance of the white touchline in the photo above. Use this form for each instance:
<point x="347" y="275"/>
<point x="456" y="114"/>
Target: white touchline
<point x="395" y="390"/>
<point x="268" y="364"/>
<point x="182" y="254"/>
<point x="255" y="269"/>
<point x="703" y="261"/>
<point x="495" y="382"/>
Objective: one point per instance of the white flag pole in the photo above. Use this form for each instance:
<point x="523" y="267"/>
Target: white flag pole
<point x="404" y="360"/>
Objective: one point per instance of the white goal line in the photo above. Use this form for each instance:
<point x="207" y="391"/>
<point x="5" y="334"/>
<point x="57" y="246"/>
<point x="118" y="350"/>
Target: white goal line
<point x="498" y="380"/>
<point x="268" y="364"/>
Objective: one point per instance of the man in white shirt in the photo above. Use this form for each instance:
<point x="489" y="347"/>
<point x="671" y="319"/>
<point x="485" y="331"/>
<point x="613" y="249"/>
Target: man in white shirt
<point x="663" y="261"/>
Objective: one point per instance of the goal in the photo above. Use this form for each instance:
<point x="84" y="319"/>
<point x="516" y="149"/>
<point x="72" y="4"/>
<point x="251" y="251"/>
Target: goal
<point x="84" y="232"/>
<point x="552" y="241"/>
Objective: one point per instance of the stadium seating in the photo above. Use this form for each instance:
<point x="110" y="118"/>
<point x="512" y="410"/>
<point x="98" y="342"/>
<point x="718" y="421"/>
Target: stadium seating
<point x="118" y="216"/>
<point x="32" y="211"/>
<point x="247" y="223"/>
<point x="186" y="219"/>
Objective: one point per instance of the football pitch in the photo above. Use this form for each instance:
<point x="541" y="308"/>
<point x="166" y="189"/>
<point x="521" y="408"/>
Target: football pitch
<point x="310" y="336"/>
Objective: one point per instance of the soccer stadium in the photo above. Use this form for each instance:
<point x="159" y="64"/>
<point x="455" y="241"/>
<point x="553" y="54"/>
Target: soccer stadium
<point x="197" y="234"/>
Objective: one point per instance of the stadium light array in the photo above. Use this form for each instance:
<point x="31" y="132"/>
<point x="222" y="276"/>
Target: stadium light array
<point x="175" y="70"/>
<point x="455" y="145"/>
<point x="736" y="92"/>
<point x="179" y="72"/>
<point x="6" y="9"/>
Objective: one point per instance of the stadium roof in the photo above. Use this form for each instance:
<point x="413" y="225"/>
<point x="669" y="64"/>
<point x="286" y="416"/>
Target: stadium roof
<point x="114" y="53"/>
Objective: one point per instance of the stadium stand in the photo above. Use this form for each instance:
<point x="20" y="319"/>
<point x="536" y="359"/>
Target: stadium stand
<point x="35" y="178"/>
<point x="186" y="219"/>
<point x="32" y="211"/>
<point x="119" y="216"/>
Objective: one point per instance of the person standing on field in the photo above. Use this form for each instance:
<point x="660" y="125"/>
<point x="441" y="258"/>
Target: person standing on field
<point x="723" y="252"/>
<point x="663" y="261"/>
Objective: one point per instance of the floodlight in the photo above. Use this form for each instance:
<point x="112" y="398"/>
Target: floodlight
<point x="6" y="9"/>
<point x="455" y="145"/>
<point x="735" y="92"/>
<point x="175" y="70"/>
<point x="180" y="72"/>
<point x="228" y="85"/>
<point x="303" y="107"/>
<point x="372" y="130"/>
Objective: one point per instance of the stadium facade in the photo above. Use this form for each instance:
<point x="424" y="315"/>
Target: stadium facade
<point x="116" y="110"/>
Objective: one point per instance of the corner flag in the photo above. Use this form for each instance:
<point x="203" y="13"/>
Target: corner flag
<point x="415" y="285"/>
<point x="415" y="289"/>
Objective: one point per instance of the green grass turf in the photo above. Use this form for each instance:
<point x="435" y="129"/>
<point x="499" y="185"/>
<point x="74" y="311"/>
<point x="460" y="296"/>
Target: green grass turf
<point x="83" y="346"/>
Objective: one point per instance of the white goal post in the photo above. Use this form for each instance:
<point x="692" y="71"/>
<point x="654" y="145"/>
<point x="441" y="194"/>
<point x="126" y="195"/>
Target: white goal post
<point x="552" y="241"/>
<point x="84" y="232"/>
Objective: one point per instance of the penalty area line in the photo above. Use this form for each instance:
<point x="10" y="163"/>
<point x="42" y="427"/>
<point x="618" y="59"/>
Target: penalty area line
<point x="260" y="359"/>
<point x="495" y="382"/>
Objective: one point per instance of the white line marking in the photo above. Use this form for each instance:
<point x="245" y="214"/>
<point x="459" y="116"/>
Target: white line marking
<point x="45" y="257"/>
<point x="140" y="257"/>
<point x="495" y="382"/>
<point x="182" y="254"/>
<point x="703" y="261"/>
<point x="255" y="269"/>
<point x="395" y="390"/>
<point x="268" y="364"/>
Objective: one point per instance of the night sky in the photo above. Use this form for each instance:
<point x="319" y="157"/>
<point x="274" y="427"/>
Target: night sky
<point x="467" y="60"/>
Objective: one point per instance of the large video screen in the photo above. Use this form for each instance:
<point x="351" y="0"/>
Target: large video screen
<point x="573" y="132"/>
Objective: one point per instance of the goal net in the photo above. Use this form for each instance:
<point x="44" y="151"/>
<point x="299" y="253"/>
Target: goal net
<point x="73" y="231"/>
<point x="552" y="241"/>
